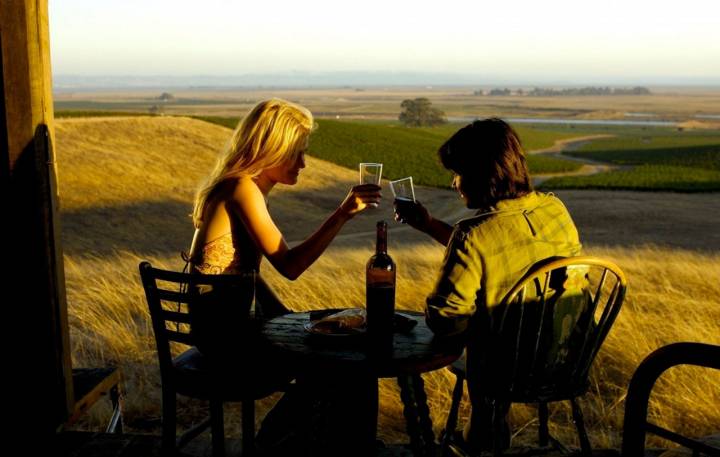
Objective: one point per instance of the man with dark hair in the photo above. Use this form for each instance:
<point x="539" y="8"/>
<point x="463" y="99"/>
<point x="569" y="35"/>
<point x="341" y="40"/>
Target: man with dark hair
<point x="514" y="228"/>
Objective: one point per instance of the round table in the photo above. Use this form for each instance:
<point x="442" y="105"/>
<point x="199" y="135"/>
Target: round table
<point x="412" y="353"/>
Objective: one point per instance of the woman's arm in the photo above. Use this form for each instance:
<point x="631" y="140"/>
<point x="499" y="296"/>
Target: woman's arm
<point x="249" y="204"/>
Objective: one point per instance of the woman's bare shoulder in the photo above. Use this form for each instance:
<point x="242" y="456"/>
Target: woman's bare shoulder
<point x="243" y="189"/>
<point x="246" y="196"/>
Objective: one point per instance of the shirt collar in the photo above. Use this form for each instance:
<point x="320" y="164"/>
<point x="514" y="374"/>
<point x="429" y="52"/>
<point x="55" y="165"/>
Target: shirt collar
<point x="525" y="203"/>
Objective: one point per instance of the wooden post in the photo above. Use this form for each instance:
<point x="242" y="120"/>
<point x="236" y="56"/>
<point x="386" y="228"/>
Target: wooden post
<point x="34" y="297"/>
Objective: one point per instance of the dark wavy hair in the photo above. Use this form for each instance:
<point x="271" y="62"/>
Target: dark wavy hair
<point x="489" y="157"/>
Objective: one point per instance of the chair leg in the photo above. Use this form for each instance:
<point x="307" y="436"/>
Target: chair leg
<point x="580" y="424"/>
<point x="410" y="412"/>
<point x="498" y="420"/>
<point x="217" y="427"/>
<point x="248" y="428"/>
<point x="424" y="418"/>
<point x="115" y="425"/>
<point x="169" y="422"/>
<point x="452" y="418"/>
<point x="543" y="433"/>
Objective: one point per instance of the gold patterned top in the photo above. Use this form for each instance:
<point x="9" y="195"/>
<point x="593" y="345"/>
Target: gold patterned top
<point x="221" y="256"/>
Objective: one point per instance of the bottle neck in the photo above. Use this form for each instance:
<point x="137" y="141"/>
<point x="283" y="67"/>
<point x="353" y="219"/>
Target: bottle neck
<point x="381" y="246"/>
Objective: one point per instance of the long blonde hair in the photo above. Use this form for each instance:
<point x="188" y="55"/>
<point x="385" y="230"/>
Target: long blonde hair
<point x="273" y="132"/>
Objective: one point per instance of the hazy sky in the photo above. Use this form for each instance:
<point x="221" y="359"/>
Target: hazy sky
<point x="584" y="40"/>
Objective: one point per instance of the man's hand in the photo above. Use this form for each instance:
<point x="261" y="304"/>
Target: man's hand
<point x="413" y="214"/>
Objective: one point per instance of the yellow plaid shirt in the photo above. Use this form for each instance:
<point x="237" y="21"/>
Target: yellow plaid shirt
<point x="490" y="252"/>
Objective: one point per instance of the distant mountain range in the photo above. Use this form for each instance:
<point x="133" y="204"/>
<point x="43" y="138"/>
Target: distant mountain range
<point x="338" y="79"/>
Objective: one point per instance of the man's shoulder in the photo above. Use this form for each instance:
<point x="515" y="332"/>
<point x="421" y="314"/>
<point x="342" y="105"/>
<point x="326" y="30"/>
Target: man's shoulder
<point x="497" y="219"/>
<point x="505" y="208"/>
<point x="469" y="224"/>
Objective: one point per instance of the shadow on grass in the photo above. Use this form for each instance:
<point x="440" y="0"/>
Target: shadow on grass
<point x="161" y="227"/>
<point x="627" y="218"/>
<point x="611" y="218"/>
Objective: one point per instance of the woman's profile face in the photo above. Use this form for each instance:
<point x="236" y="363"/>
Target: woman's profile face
<point x="457" y="185"/>
<point x="288" y="172"/>
<point x="463" y="185"/>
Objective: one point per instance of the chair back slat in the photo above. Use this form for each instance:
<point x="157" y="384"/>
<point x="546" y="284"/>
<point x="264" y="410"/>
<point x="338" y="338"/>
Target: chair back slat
<point x="595" y="302"/>
<point x="546" y="332"/>
<point x="172" y="296"/>
<point x="598" y="291"/>
<point x="166" y="275"/>
<point x="521" y="298"/>
<point x="617" y="296"/>
<point x="175" y="316"/>
<point x="543" y="316"/>
<point x="179" y="337"/>
<point x="191" y="308"/>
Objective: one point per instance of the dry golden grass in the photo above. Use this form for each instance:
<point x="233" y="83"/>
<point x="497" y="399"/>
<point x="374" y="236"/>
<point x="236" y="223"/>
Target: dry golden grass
<point x="138" y="210"/>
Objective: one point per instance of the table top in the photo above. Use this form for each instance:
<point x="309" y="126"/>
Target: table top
<point x="416" y="351"/>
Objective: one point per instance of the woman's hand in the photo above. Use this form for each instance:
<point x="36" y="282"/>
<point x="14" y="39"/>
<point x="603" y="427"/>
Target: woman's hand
<point x="412" y="213"/>
<point x="360" y="198"/>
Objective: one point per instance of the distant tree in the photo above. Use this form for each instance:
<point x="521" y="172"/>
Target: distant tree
<point x="479" y="92"/>
<point x="420" y="113"/>
<point x="549" y="92"/>
<point x="638" y="90"/>
<point x="496" y="92"/>
<point x="155" y="110"/>
<point x="166" y="97"/>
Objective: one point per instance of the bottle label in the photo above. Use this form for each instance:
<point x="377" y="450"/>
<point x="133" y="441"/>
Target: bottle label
<point x="377" y="276"/>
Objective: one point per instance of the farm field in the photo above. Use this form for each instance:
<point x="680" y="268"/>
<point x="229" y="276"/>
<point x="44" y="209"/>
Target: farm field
<point x="648" y="158"/>
<point x="640" y="158"/>
<point x="126" y="189"/>
<point x="651" y="159"/>
<point x="410" y="151"/>
<point x="665" y="103"/>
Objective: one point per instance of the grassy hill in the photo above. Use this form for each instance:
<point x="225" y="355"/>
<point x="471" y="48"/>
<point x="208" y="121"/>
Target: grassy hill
<point x="126" y="187"/>
<point x="129" y="183"/>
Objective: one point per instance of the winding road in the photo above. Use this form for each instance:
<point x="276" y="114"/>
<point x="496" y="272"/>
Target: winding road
<point x="589" y="167"/>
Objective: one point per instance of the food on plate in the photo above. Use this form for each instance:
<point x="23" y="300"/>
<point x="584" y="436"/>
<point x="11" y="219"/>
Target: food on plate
<point x="346" y="321"/>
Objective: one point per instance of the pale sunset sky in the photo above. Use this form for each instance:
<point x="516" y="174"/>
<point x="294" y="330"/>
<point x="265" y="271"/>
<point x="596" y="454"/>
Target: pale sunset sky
<point x="617" y="40"/>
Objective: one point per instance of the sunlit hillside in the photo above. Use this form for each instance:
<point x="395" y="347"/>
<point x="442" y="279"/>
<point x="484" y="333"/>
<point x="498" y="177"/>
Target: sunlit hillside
<point x="126" y="191"/>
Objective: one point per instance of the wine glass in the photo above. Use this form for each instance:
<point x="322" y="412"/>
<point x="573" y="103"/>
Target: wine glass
<point x="404" y="194"/>
<point x="371" y="173"/>
<point x="403" y="190"/>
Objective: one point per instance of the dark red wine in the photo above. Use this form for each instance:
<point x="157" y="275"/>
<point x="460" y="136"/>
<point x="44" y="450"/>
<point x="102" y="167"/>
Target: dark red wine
<point x="380" y="307"/>
<point x="380" y="288"/>
<point x="403" y="202"/>
<point x="405" y="208"/>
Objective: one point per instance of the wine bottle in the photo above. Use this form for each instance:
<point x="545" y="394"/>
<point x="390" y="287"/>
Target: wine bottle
<point x="380" y="288"/>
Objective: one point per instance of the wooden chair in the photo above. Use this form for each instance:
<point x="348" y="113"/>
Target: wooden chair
<point x="190" y="309"/>
<point x="543" y="336"/>
<point x="636" y="424"/>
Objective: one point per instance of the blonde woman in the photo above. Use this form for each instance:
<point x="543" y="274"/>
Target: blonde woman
<point x="233" y="232"/>
<point x="233" y="228"/>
